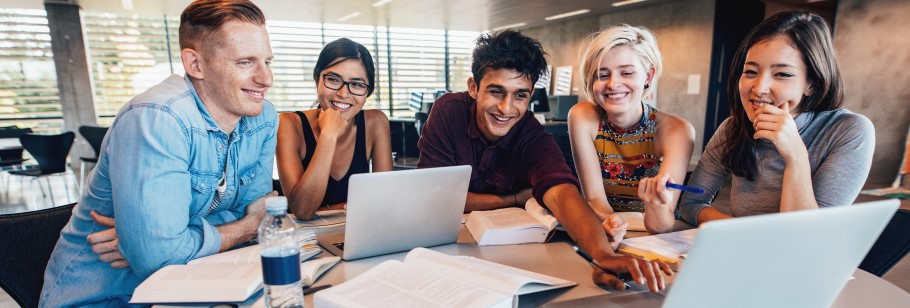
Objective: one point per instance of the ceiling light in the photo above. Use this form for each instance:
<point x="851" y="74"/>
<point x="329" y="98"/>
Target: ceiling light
<point x="349" y="16"/>
<point x="564" y="15"/>
<point x="515" y="25"/>
<point x="381" y="3"/>
<point x="127" y="4"/>
<point x="621" y="3"/>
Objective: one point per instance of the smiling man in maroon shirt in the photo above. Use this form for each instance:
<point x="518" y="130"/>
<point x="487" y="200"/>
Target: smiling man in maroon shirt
<point x="512" y="157"/>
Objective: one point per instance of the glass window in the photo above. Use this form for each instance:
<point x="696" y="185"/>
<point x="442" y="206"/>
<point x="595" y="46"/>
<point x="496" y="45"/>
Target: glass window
<point x="28" y="78"/>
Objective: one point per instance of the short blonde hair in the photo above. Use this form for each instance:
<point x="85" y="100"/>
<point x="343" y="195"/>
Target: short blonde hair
<point x="640" y="39"/>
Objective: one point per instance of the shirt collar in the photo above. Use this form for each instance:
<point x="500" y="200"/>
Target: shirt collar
<point x="474" y="130"/>
<point x="210" y="124"/>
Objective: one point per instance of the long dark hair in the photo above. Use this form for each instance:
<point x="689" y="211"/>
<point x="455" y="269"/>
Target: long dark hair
<point x="343" y="49"/>
<point x="809" y="34"/>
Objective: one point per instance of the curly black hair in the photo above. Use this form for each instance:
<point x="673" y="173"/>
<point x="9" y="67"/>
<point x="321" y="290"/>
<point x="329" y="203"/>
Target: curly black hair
<point x="508" y="49"/>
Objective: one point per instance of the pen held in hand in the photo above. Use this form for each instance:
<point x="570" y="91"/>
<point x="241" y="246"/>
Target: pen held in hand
<point x="605" y="270"/>
<point x="690" y="189"/>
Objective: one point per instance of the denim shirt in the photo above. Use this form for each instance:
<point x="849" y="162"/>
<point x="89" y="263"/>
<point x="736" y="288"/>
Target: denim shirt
<point x="157" y="174"/>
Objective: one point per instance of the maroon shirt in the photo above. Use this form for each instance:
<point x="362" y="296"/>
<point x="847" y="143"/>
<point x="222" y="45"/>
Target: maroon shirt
<point x="525" y="157"/>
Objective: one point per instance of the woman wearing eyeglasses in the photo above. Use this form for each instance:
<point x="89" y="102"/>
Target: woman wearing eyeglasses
<point x="318" y="150"/>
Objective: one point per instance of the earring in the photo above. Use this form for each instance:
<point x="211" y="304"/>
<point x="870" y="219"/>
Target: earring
<point x="647" y="86"/>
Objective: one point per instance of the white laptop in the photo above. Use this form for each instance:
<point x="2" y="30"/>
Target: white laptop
<point x="396" y="211"/>
<point x="795" y="259"/>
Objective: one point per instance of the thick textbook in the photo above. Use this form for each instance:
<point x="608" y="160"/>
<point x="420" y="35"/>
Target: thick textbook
<point x="509" y="226"/>
<point x="671" y="248"/>
<point x="431" y="279"/>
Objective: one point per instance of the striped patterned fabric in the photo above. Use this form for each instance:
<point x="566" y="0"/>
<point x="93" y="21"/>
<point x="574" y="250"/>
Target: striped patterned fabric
<point x="626" y="156"/>
<point x="416" y="101"/>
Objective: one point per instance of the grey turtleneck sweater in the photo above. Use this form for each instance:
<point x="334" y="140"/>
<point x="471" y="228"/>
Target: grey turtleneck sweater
<point x="840" y="144"/>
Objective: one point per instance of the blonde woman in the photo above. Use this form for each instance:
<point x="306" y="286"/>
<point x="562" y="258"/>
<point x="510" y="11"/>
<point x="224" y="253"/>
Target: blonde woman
<point x="624" y="148"/>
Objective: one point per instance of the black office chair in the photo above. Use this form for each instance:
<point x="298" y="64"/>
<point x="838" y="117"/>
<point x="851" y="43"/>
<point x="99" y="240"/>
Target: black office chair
<point x="11" y="158"/>
<point x="890" y="247"/>
<point x="28" y="240"/>
<point x="13" y="131"/>
<point x="94" y="135"/>
<point x="50" y="151"/>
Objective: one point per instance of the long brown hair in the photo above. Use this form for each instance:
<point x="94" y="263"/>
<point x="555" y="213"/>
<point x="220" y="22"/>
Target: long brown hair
<point x="811" y="36"/>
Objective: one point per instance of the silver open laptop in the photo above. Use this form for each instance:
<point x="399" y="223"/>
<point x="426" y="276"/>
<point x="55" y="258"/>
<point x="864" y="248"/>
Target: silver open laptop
<point x="796" y="259"/>
<point x="396" y="211"/>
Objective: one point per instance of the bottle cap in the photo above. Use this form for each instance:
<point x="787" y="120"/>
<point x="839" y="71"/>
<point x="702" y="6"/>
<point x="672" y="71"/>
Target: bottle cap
<point x="276" y="204"/>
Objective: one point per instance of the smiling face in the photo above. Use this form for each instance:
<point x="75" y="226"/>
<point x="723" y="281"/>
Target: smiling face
<point x="774" y="73"/>
<point x="502" y="99"/>
<point x="347" y="70"/>
<point x="233" y="74"/>
<point x="620" y="81"/>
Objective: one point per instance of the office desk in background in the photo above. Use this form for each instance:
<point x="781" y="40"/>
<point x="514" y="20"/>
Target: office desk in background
<point x="404" y="141"/>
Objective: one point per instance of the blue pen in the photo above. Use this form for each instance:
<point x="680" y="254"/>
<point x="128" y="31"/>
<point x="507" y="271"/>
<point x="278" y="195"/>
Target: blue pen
<point x="685" y="188"/>
<point x="605" y="270"/>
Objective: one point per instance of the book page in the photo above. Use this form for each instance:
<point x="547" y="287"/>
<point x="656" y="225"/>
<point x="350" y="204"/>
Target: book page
<point x="199" y="283"/>
<point x="495" y="276"/>
<point x="323" y="219"/>
<point x="635" y="220"/>
<point x="246" y="255"/>
<point x="311" y="270"/>
<point x="542" y="215"/>
<point x="507" y="218"/>
<point x="252" y="254"/>
<point x="395" y="284"/>
<point x="671" y="245"/>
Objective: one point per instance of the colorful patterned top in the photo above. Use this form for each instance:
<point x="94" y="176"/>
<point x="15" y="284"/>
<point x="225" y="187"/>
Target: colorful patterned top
<point x="626" y="156"/>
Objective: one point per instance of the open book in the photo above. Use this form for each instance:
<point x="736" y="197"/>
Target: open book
<point x="431" y="279"/>
<point x="230" y="276"/>
<point x="210" y="283"/>
<point x="324" y="222"/>
<point x="635" y="220"/>
<point x="671" y="248"/>
<point x="511" y="225"/>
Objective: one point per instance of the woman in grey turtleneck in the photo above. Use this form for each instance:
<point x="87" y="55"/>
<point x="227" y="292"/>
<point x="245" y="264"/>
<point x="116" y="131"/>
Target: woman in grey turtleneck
<point x="787" y="143"/>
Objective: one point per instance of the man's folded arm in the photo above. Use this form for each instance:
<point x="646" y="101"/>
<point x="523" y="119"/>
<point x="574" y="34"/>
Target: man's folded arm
<point x="152" y="193"/>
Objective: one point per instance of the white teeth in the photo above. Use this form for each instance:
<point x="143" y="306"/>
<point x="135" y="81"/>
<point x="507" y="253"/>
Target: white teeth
<point x="617" y="95"/>
<point x="254" y="93"/>
<point x="503" y="119"/>
<point x="341" y="106"/>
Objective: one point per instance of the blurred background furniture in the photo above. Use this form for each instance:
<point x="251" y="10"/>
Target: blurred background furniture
<point x="94" y="135"/>
<point x="50" y="151"/>
<point x="890" y="247"/>
<point x="28" y="240"/>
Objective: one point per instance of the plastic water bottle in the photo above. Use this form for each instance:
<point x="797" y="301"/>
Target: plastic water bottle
<point x="280" y="256"/>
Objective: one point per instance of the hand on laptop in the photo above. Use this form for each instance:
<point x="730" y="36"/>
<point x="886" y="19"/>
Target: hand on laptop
<point x="104" y="243"/>
<point x="615" y="228"/>
<point x="642" y="272"/>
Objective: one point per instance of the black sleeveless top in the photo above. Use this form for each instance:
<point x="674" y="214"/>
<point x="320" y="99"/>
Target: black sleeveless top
<point x="337" y="191"/>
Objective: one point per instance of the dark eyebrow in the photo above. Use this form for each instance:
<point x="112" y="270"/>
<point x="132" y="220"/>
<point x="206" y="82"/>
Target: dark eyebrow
<point x="772" y="65"/>
<point x="342" y="77"/>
